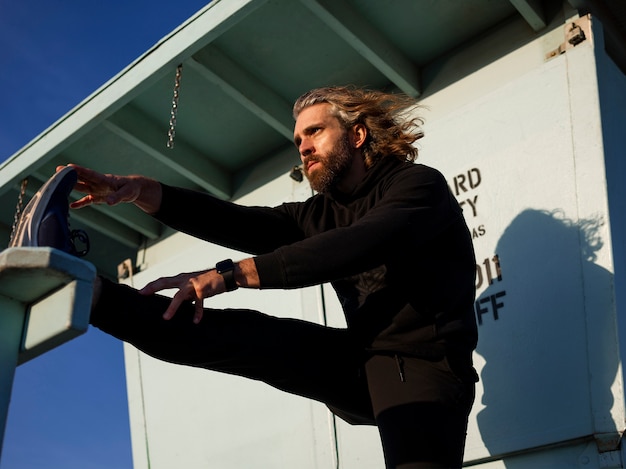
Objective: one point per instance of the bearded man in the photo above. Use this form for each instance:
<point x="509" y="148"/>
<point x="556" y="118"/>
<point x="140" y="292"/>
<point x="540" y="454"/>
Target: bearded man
<point x="384" y="231"/>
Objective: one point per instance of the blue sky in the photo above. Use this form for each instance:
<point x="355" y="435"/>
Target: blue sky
<point x="68" y="408"/>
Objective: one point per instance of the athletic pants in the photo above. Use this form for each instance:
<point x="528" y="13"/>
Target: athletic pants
<point x="419" y="406"/>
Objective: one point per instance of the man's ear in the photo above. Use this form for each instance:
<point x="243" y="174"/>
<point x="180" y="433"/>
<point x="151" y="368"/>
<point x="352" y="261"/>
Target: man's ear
<point x="358" y="135"/>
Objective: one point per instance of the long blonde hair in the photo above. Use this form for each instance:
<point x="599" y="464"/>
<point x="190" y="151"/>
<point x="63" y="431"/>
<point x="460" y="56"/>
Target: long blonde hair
<point x="391" y="132"/>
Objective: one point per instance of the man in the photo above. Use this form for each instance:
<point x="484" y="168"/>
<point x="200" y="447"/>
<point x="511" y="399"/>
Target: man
<point x="385" y="232"/>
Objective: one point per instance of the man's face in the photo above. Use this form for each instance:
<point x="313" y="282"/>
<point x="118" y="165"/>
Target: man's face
<point x="324" y="147"/>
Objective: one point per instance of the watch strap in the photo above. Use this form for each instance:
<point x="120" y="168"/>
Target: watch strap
<point x="226" y="269"/>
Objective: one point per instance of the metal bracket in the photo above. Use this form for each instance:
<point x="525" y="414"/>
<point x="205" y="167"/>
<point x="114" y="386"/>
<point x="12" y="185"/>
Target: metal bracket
<point x="576" y="32"/>
<point x="607" y="442"/>
<point x="125" y="270"/>
<point x="296" y="173"/>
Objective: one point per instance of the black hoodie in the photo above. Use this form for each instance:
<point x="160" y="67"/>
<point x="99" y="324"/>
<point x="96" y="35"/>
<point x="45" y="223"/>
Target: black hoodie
<point x="396" y="250"/>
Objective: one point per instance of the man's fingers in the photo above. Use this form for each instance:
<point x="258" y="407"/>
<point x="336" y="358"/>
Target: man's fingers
<point x="84" y="187"/>
<point x="150" y="288"/>
<point x="82" y="202"/>
<point x="103" y="188"/>
<point x="197" y="317"/>
<point x="147" y="289"/>
<point x="177" y="300"/>
<point x="199" y="299"/>
<point x="189" y="289"/>
<point x="174" y="305"/>
<point x="159" y="284"/>
<point x="86" y="174"/>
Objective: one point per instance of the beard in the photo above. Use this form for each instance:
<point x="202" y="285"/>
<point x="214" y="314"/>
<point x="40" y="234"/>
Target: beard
<point x="332" y="166"/>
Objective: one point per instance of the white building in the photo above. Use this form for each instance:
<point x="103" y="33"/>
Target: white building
<point x="525" y="108"/>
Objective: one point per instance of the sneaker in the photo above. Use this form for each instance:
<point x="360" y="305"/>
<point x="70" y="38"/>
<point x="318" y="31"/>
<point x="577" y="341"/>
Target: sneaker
<point x="45" y="219"/>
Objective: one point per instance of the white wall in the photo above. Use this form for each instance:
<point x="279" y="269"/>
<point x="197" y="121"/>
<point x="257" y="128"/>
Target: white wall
<point x="520" y="141"/>
<point x="526" y="157"/>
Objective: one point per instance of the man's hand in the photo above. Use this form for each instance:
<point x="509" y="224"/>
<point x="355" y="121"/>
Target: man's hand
<point x="193" y="286"/>
<point x="112" y="190"/>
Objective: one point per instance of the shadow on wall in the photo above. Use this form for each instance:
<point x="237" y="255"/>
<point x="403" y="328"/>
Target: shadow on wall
<point x="548" y="337"/>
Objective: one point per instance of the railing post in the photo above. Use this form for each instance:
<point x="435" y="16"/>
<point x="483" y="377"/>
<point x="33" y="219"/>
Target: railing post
<point x="45" y="299"/>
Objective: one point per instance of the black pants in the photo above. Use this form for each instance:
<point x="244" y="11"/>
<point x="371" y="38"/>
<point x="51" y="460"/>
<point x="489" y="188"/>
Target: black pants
<point x="419" y="406"/>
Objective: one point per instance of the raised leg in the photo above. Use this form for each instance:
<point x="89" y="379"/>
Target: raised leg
<point x="296" y="356"/>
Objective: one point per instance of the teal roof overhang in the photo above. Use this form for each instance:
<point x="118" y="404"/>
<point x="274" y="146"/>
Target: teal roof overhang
<point x="244" y="63"/>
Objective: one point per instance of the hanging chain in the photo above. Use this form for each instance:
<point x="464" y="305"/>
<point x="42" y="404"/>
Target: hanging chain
<point x="174" y="111"/>
<point x="18" y="208"/>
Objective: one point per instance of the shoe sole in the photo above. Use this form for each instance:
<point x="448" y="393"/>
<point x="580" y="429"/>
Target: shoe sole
<point x="27" y="231"/>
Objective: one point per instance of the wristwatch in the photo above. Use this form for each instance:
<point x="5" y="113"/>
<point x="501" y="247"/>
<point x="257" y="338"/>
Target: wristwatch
<point x="226" y="269"/>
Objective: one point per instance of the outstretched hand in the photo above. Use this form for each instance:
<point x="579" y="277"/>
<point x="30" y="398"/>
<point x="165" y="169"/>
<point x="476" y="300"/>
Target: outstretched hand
<point x="111" y="189"/>
<point x="193" y="286"/>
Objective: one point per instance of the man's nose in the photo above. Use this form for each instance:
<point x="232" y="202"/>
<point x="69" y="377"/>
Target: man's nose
<point x="305" y="148"/>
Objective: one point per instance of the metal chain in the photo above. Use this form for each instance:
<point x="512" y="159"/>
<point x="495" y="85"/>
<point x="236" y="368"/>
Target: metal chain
<point x="18" y="209"/>
<point x="174" y="111"/>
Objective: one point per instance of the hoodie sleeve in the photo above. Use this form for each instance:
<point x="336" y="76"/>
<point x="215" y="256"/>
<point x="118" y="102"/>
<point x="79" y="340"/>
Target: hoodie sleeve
<point x="409" y="207"/>
<point x="253" y="230"/>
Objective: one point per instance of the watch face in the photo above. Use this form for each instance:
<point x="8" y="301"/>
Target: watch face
<point x="226" y="269"/>
<point x="224" y="266"/>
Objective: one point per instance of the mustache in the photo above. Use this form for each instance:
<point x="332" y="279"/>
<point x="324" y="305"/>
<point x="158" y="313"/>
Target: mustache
<point x="310" y="159"/>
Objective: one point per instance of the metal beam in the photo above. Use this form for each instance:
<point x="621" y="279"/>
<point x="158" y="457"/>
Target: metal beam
<point x="532" y="12"/>
<point x="129" y="216"/>
<point x="132" y="126"/>
<point x="368" y="42"/>
<point x="215" y="66"/>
